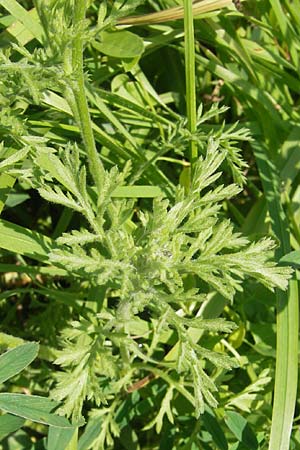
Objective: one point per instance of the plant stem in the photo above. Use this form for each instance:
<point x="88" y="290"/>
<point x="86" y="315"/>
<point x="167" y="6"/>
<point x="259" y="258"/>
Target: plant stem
<point x="78" y="88"/>
<point x="189" y="44"/>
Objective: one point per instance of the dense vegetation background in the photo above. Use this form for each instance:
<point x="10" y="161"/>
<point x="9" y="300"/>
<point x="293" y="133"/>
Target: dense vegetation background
<point x="148" y="318"/>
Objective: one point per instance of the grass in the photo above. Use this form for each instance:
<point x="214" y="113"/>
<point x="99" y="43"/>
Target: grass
<point x="138" y="140"/>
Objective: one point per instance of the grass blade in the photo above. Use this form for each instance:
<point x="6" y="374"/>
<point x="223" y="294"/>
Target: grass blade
<point x="59" y="438"/>
<point x="15" y="360"/>
<point x="189" y="43"/>
<point x="35" y="408"/>
<point x="20" y="240"/>
<point x="9" y="424"/>
<point x="20" y="13"/>
<point x="286" y="375"/>
<point x="198" y="7"/>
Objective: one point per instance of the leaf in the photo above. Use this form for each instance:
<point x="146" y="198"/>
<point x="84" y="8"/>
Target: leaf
<point x="9" y="424"/>
<point x="120" y="44"/>
<point x="213" y="427"/>
<point x="292" y="259"/>
<point x="35" y="408"/>
<point x="241" y="429"/>
<point x="165" y="410"/>
<point x="90" y="434"/>
<point x="14" y="158"/>
<point x="174" y="13"/>
<point x="23" y="241"/>
<point x="250" y="398"/>
<point x="28" y="20"/>
<point x="52" y="164"/>
<point x="14" y="199"/>
<point x="285" y="392"/>
<point x="14" y="361"/>
<point x="6" y="183"/>
<point x="59" y="438"/>
<point x="20" y="32"/>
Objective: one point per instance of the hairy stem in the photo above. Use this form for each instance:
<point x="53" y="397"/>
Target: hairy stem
<point x="80" y="99"/>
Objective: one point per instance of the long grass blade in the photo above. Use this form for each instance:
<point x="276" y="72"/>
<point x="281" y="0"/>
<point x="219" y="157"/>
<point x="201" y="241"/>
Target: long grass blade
<point x="199" y="7"/>
<point x="287" y="318"/>
<point x="28" y="20"/>
<point x="189" y="44"/>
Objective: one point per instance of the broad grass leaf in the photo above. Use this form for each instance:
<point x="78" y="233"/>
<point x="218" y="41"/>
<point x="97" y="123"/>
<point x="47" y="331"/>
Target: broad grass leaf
<point x="120" y="44"/>
<point x="59" y="438"/>
<point x="35" y="408"/>
<point x="13" y="159"/>
<point x="29" y="21"/>
<point x="241" y="429"/>
<point x="251" y="398"/>
<point x="15" y="199"/>
<point x="23" y="241"/>
<point x="90" y="434"/>
<point x="292" y="259"/>
<point x="15" y="360"/>
<point x="214" y="428"/>
<point x="9" y="424"/>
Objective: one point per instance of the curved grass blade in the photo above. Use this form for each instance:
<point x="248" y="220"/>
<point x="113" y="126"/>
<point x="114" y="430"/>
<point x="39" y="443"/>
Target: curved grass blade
<point x="14" y="361"/>
<point x="59" y="438"/>
<point x="9" y="424"/>
<point x="30" y="23"/>
<point x="241" y="429"/>
<point x="23" y="241"/>
<point x="199" y="7"/>
<point x="190" y="77"/>
<point x="32" y="407"/>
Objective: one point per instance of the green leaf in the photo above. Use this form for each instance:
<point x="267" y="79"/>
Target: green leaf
<point x="59" y="437"/>
<point x="292" y="259"/>
<point x="15" y="199"/>
<point x="52" y="164"/>
<point x="18" y="31"/>
<point x="23" y="241"/>
<point x="213" y="427"/>
<point x="285" y="391"/>
<point x="6" y="183"/>
<point x="14" y="158"/>
<point x="90" y="434"/>
<point x="30" y="23"/>
<point x="120" y="44"/>
<point x="241" y="429"/>
<point x="9" y="424"/>
<point x="15" y="360"/>
<point x="35" y="408"/>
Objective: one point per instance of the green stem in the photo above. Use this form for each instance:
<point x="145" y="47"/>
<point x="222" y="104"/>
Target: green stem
<point x="189" y="43"/>
<point x="78" y="88"/>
